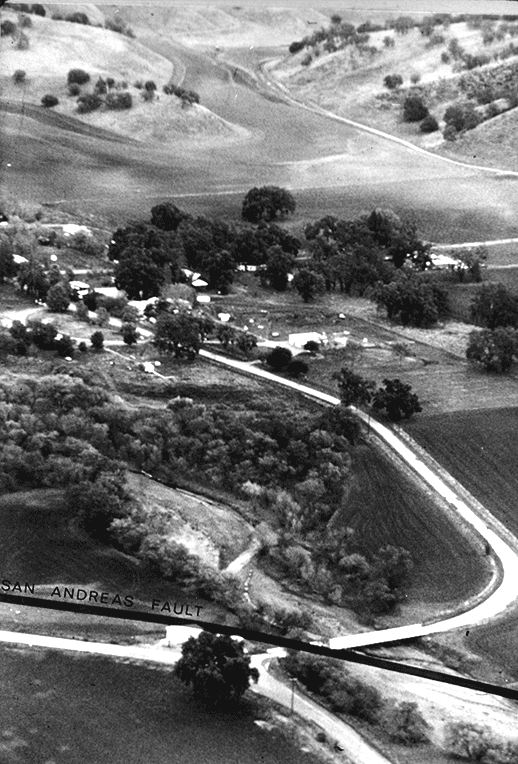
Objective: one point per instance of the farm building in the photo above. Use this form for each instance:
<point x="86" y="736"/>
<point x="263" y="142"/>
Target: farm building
<point x="300" y="339"/>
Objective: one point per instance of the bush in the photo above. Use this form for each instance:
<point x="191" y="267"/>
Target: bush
<point x="74" y="90"/>
<point x="119" y="101"/>
<point x="89" y="102"/>
<point x="449" y="133"/>
<point x="445" y="58"/>
<point x="65" y="346"/>
<point x="147" y="95"/>
<point x="297" y="368"/>
<point x="308" y="58"/>
<point x="97" y="340"/>
<point x="78" y="76"/>
<point x="19" y="77"/>
<point x="119" y="26"/>
<point x="414" y="78"/>
<point x="414" y="109"/>
<point x="48" y="101"/>
<point x="7" y="28"/>
<point x="77" y="18"/>
<point x="393" y="81"/>
<point x="405" y="724"/>
<point x="296" y="46"/>
<point x="138" y="84"/>
<point x="429" y="124"/>
<point x="389" y="42"/>
<point x="150" y="85"/>
<point x="26" y="22"/>
<point x="435" y="39"/>
<point x="82" y="347"/>
<point x="38" y="9"/>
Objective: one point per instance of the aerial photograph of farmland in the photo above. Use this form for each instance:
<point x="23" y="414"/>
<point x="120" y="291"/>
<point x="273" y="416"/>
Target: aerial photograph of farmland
<point x="258" y="383"/>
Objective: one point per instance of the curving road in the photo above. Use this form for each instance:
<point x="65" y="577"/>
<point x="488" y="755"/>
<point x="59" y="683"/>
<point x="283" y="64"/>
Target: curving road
<point x="498" y="594"/>
<point x="352" y="743"/>
<point x="335" y="167"/>
<point x="495" y="534"/>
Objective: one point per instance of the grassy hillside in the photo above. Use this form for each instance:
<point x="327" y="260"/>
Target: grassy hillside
<point x="40" y="544"/>
<point x="492" y="143"/>
<point x="349" y="81"/>
<point x="222" y="25"/>
<point x="63" y="46"/>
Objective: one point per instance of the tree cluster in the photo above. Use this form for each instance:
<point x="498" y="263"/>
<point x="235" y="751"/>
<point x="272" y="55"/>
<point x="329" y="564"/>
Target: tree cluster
<point x="339" y="35"/>
<point x="344" y="694"/>
<point x="477" y="743"/>
<point x="395" y="398"/>
<point x="328" y="679"/>
<point x="412" y="300"/>
<point x="494" y="350"/>
<point x="356" y="255"/>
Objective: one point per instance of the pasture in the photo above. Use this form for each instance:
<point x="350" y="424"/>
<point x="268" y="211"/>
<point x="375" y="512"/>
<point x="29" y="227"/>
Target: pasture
<point x="83" y="710"/>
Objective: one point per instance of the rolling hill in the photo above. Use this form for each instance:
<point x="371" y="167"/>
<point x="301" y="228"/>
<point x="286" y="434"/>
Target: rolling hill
<point x="56" y="47"/>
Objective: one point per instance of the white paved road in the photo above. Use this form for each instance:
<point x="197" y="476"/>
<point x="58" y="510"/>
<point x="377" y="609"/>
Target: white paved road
<point x="496" y="602"/>
<point x="353" y="744"/>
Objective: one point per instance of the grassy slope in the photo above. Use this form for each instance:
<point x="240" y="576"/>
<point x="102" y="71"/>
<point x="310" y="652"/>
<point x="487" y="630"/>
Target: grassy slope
<point x="348" y="84"/>
<point x="492" y="143"/>
<point x="224" y="26"/>
<point x="107" y="54"/>
<point x="84" y="710"/>
<point x="40" y="545"/>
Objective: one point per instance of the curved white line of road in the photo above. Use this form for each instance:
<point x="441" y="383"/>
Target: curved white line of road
<point x="496" y="603"/>
<point x="351" y="741"/>
<point x="276" y="86"/>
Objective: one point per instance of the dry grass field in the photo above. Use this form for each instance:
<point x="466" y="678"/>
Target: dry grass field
<point x="83" y="710"/>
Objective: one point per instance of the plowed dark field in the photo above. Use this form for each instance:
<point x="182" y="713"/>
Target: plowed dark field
<point x="386" y="507"/>
<point x="480" y="449"/>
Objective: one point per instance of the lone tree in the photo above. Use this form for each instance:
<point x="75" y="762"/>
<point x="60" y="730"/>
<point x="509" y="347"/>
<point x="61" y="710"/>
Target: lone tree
<point x="97" y="340"/>
<point x="129" y="333"/>
<point x="58" y="298"/>
<point x="216" y="668"/>
<point x="354" y="389"/>
<point x="396" y="399"/>
<point x="266" y="203"/>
